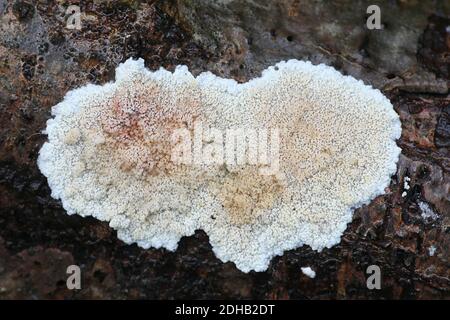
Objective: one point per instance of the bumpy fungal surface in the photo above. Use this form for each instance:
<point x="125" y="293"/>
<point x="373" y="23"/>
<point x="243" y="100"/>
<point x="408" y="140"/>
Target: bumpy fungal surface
<point x="150" y="153"/>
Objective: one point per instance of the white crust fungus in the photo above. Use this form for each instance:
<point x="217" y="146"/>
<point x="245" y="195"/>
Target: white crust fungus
<point x="307" y="271"/>
<point x="109" y="148"/>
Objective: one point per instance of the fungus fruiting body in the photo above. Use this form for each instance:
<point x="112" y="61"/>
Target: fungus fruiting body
<point x="262" y="167"/>
<point x="307" y="271"/>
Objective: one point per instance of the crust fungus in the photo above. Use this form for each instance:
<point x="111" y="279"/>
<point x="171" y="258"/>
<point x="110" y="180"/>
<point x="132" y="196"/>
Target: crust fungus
<point x="262" y="167"/>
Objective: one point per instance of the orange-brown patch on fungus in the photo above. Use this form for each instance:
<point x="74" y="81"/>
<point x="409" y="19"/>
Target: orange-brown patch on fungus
<point x="247" y="194"/>
<point x="139" y="128"/>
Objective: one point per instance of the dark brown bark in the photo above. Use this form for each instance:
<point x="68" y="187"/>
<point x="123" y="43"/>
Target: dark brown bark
<point x="40" y="60"/>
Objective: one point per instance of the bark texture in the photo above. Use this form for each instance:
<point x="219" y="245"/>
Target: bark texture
<point x="409" y="60"/>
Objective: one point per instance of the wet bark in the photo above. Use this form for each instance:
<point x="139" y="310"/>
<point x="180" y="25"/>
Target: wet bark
<point x="405" y="232"/>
